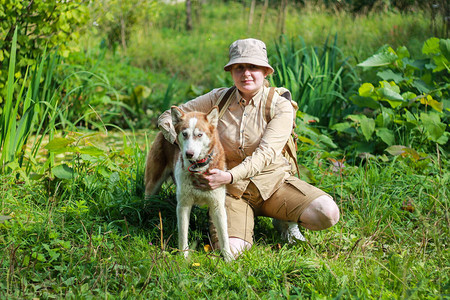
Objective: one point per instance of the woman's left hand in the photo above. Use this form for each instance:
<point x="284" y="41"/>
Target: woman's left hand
<point x="212" y="180"/>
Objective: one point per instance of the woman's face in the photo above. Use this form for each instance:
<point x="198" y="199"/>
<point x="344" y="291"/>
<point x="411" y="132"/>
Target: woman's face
<point x="248" y="78"/>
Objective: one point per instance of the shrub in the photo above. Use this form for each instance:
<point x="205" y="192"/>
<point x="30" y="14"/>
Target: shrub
<point x="409" y="106"/>
<point x="40" y="24"/>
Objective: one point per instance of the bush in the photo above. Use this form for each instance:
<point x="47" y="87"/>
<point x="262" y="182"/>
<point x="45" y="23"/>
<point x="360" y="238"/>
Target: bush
<point x="41" y="24"/>
<point x="409" y="106"/>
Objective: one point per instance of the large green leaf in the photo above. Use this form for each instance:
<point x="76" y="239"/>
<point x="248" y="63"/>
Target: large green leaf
<point x="63" y="172"/>
<point x="402" y="52"/>
<point x="379" y="59"/>
<point x="431" y="46"/>
<point x="340" y="127"/>
<point x="365" y="102"/>
<point x="421" y="86"/>
<point x="367" y="127"/>
<point x="444" y="45"/>
<point x="59" y="143"/>
<point x="366" y="90"/>
<point x="386" y="136"/>
<point x="433" y="125"/>
<point x="94" y="151"/>
<point x="396" y="150"/>
<point x="390" y="75"/>
<point x="327" y="141"/>
<point x="384" y="119"/>
<point x="390" y="94"/>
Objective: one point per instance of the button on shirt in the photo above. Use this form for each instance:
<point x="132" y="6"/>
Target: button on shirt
<point x="252" y="146"/>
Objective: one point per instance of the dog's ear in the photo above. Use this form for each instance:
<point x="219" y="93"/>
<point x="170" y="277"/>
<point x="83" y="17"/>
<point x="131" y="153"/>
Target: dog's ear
<point x="213" y="116"/>
<point x="177" y="115"/>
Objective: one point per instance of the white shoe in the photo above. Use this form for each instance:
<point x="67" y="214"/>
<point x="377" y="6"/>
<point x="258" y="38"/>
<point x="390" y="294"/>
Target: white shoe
<point x="289" y="231"/>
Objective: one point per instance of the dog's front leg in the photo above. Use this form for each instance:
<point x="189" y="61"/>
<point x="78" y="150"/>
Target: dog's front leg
<point x="219" y="218"/>
<point x="183" y="212"/>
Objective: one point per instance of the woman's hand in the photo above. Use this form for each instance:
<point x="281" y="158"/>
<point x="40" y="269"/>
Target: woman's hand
<point x="212" y="180"/>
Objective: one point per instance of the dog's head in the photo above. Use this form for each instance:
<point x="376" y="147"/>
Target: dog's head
<point x="195" y="131"/>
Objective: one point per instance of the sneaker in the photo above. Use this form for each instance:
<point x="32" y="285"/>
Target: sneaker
<point x="289" y="231"/>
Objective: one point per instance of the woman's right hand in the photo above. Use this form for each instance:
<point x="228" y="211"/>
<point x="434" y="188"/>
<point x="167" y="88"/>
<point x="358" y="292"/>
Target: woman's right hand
<point x="212" y="180"/>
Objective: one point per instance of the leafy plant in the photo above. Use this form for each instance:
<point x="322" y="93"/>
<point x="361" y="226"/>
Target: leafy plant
<point x="409" y="106"/>
<point x="51" y="98"/>
<point x="33" y="113"/>
<point x="319" y="79"/>
<point x="40" y="25"/>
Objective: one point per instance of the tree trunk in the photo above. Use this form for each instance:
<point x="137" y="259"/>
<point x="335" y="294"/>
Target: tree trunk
<point x="250" y="16"/>
<point x="123" y="33"/>
<point x="188" y="15"/>
<point x="263" y="15"/>
<point x="282" y="16"/>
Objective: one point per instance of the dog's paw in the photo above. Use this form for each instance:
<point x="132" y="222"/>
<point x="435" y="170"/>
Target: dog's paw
<point x="185" y="253"/>
<point x="227" y="256"/>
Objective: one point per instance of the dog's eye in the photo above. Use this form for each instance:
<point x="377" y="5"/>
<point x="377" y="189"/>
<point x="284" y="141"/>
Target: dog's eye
<point x="184" y="134"/>
<point x="200" y="134"/>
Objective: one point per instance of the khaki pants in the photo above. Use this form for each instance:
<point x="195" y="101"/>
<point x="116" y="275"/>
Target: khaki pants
<point x="287" y="203"/>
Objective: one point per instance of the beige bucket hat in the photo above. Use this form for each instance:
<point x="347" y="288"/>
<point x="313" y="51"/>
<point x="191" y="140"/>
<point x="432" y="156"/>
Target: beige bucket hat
<point x="248" y="51"/>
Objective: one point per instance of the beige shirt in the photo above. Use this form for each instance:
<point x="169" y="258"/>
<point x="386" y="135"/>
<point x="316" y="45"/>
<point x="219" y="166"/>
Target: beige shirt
<point x="252" y="146"/>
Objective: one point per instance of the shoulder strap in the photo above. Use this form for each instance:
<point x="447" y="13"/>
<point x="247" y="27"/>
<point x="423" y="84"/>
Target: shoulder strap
<point x="223" y="102"/>
<point x="291" y="145"/>
<point x="268" y="106"/>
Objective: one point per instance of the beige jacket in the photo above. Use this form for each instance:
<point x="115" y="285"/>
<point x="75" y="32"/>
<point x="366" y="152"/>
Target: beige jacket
<point x="252" y="146"/>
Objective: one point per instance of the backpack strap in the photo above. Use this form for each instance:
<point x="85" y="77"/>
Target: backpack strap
<point x="224" y="102"/>
<point x="291" y="145"/>
<point x="268" y="106"/>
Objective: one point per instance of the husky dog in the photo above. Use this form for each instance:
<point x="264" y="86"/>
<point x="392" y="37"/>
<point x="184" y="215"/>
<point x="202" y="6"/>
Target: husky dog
<point x="197" y="150"/>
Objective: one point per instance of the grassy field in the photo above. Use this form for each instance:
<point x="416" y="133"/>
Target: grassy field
<point x="94" y="236"/>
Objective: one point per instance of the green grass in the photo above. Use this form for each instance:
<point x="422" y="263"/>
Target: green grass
<point x="95" y="236"/>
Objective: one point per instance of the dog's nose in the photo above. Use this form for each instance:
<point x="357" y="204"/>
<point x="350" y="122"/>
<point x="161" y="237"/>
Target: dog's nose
<point x="189" y="154"/>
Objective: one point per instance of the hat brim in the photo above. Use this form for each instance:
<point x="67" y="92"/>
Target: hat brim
<point x="248" y="60"/>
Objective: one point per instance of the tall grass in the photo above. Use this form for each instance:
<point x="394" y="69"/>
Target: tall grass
<point x="36" y="115"/>
<point x="9" y="145"/>
<point x="34" y="112"/>
<point x="320" y="80"/>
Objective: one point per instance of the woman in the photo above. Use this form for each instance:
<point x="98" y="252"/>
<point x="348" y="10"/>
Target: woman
<point x="258" y="178"/>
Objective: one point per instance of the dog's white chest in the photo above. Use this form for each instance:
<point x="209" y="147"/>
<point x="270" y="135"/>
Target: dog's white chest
<point x="190" y="195"/>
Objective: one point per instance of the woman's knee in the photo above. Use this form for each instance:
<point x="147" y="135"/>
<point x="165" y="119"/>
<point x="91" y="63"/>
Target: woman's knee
<point x="322" y="213"/>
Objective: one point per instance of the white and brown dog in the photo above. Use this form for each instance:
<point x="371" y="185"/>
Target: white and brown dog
<point x="199" y="150"/>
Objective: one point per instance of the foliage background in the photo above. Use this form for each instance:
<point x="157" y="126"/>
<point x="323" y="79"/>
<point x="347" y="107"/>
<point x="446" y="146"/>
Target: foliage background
<point x="83" y="83"/>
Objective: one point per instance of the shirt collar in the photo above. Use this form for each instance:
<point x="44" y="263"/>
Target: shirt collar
<point x="255" y="100"/>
